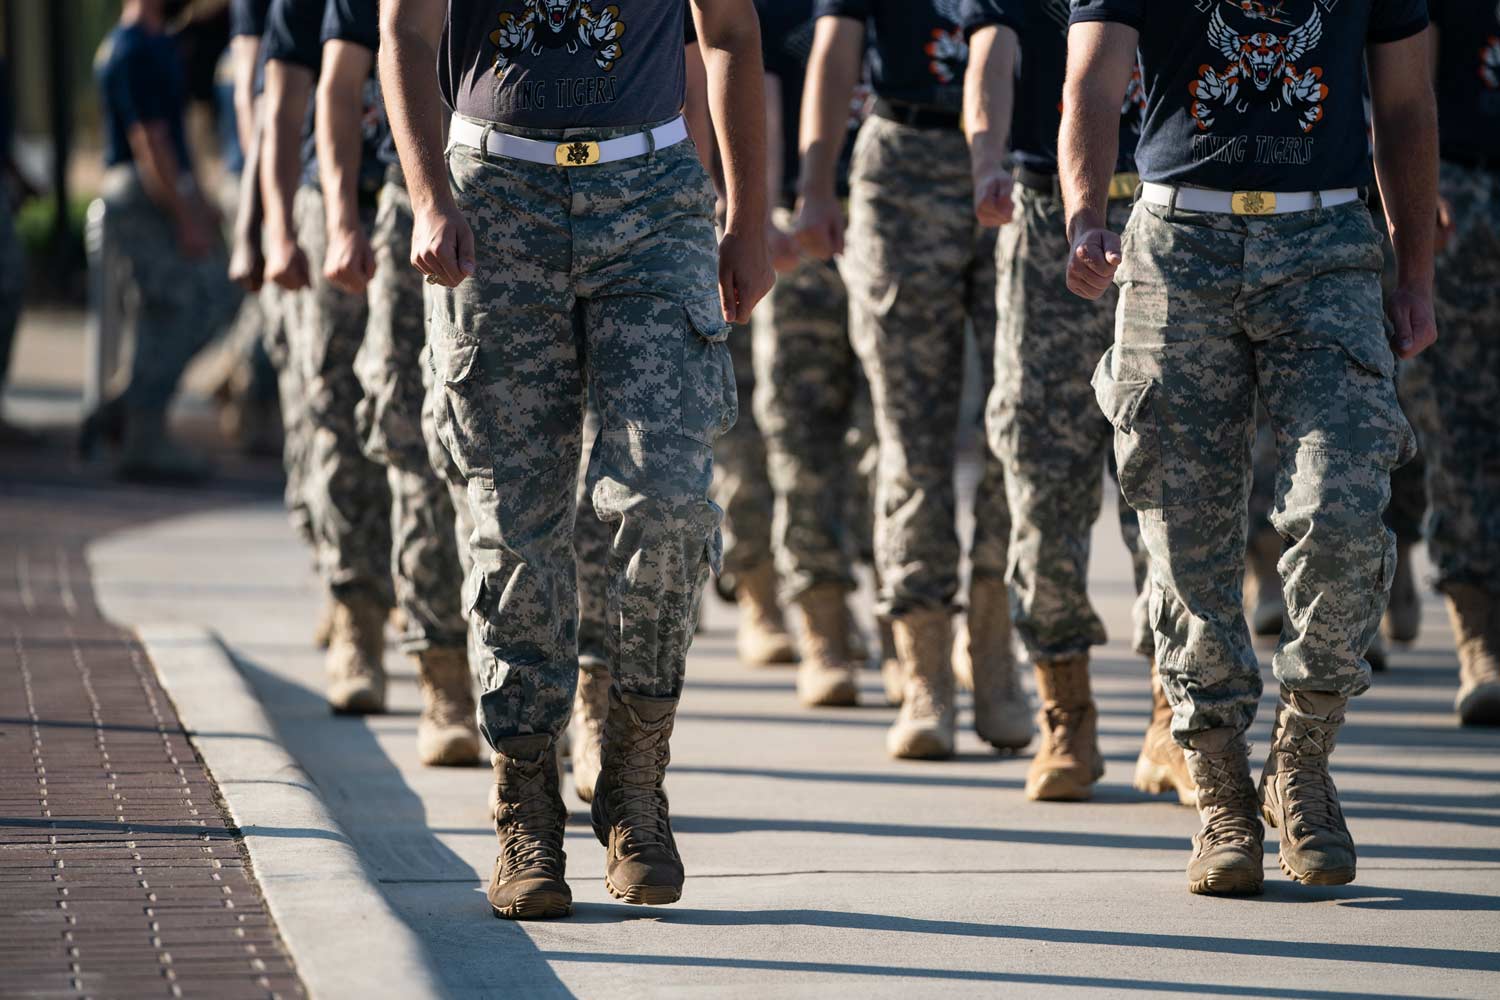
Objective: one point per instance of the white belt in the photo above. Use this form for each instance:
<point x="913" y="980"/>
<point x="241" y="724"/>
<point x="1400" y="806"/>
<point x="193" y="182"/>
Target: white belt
<point x="569" y="153"/>
<point x="1191" y="199"/>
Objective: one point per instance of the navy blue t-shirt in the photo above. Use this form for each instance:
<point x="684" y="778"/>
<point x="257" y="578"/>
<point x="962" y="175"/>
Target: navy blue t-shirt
<point x="358" y="22"/>
<point x="786" y="33"/>
<point x="1043" y="28"/>
<point x="141" y="80"/>
<point x="917" y="50"/>
<point x="1468" y="77"/>
<point x="1246" y="94"/>
<point x="248" y="17"/>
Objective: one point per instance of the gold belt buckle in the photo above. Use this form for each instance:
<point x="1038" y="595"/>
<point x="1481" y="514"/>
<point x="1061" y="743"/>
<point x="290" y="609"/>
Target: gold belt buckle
<point x="576" y="154"/>
<point x="1253" y="202"/>
<point x="1122" y="186"/>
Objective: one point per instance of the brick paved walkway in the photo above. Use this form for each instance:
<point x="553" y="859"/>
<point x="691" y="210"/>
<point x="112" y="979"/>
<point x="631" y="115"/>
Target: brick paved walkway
<point x="119" y="874"/>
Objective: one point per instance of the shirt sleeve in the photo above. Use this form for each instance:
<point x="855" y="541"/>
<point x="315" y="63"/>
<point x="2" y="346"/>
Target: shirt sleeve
<point x="247" y="17"/>
<point x="292" y="28"/>
<point x="976" y="14"/>
<point x="857" y="9"/>
<point x="135" y="89"/>
<point x="1393" y="20"/>
<point x="353" y="21"/>
<point x="1130" y="12"/>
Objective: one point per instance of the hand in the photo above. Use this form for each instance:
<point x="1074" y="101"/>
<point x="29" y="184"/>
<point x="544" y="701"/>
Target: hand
<point x="194" y="238"/>
<point x="1415" y="328"/>
<point x="786" y="254"/>
<point x="286" y="264"/>
<point x="246" y="265"/>
<point x="442" y="245"/>
<point x="820" y="225"/>
<point x="350" y="263"/>
<point x="993" y="206"/>
<point x="1092" y="262"/>
<point x="745" y="274"/>
<point x="1445" y="226"/>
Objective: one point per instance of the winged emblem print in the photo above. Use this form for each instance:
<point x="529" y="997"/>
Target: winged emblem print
<point x="1261" y="65"/>
<point x="565" y="24"/>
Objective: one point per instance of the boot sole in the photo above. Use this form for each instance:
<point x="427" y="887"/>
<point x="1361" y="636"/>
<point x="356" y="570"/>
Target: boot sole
<point x="535" y="906"/>
<point x="1317" y="876"/>
<point x="922" y="747"/>
<point x="1156" y="779"/>
<point x="645" y="895"/>
<point x="1057" y="786"/>
<point x="1480" y="707"/>
<point x="358" y="706"/>
<point x="843" y="696"/>
<point x="1229" y="882"/>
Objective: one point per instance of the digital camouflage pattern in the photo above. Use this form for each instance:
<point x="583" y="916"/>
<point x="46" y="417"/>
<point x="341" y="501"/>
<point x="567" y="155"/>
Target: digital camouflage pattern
<point x="1212" y="308"/>
<point x="424" y="558"/>
<point x="292" y="396"/>
<point x="12" y="280"/>
<point x="599" y="280"/>
<point x="1464" y="372"/>
<point x="740" y="484"/>
<point x="917" y="268"/>
<point x="591" y="542"/>
<point x="1048" y="434"/>
<point x="808" y="397"/>
<point x="346" y="493"/>
<point x="179" y="304"/>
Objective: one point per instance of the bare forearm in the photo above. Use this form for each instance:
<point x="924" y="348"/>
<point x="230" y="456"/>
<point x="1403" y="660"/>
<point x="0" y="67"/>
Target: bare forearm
<point x="339" y="155"/>
<point x="408" y="78"/>
<point x="775" y="141"/>
<point x="248" y="210"/>
<point x="989" y="94"/>
<point x="1406" y="140"/>
<point x="736" y="97"/>
<point x="832" y="72"/>
<point x="244" y="53"/>
<point x="1088" y="145"/>
<point x="284" y="108"/>
<point x="156" y="165"/>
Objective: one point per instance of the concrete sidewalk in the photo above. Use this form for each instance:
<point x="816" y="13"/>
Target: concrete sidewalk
<point x="818" y="866"/>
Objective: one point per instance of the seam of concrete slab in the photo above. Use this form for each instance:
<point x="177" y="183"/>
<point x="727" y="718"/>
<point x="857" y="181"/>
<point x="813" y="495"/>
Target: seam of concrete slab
<point x="346" y="939"/>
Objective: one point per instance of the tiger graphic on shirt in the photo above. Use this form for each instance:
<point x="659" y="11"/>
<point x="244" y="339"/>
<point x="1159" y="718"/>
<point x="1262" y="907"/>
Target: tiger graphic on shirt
<point x="948" y="51"/>
<point x="1264" y="64"/>
<point x="552" y="24"/>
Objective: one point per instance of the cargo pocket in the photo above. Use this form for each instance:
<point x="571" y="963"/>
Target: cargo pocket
<point x="1124" y="398"/>
<point x="461" y="423"/>
<point x="710" y="399"/>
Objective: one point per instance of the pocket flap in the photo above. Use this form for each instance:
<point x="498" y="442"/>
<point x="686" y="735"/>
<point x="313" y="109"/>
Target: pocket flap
<point x="453" y="355"/>
<point x="1120" y="396"/>
<point x="707" y="316"/>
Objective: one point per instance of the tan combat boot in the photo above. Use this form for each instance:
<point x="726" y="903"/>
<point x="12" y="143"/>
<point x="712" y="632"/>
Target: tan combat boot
<point x="1161" y="767"/>
<point x="530" y="820"/>
<point x="891" y="675"/>
<point x="1297" y="793"/>
<point x="1068" y="763"/>
<point x="323" y="630"/>
<point x="630" y="812"/>
<point x="1267" y="606"/>
<point x="924" y="730"/>
<point x="1403" y="615"/>
<point x="1229" y="851"/>
<point x="590" y="709"/>
<point x="826" y="675"/>
<point x="763" y="639"/>
<point x="1475" y="615"/>
<point x="356" y="648"/>
<point x="1002" y="716"/>
<point x="447" y="731"/>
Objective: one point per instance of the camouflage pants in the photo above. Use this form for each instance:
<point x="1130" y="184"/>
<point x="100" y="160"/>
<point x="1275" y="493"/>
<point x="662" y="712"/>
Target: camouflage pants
<point x="424" y="556"/>
<point x="809" y="395"/>
<point x="591" y="542"/>
<point x="178" y="305"/>
<point x="1216" y="309"/>
<point x="1464" y="374"/>
<point x="348" y="500"/>
<point x="740" y="485"/>
<point x="917" y="268"/>
<point x="292" y="396"/>
<point x="597" y="282"/>
<point x="1049" y="437"/>
<point x="12" y="282"/>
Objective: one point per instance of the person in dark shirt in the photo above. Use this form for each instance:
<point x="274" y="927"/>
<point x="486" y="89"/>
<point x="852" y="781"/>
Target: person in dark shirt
<point x="163" y="226"/>
<point x="1250" y="268"/>
<point x="918" y="269"/>
<point x="589" y="270"/>
<point x="348" y="497"/>
<point x="1041" y="421"/>
<point x="372" y="263"/>
<point x="1463" y="443"/>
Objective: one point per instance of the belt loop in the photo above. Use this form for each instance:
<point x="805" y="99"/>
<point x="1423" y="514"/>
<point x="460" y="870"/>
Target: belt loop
<point x="1317" y="201"/>
<point x="484" y="143"/>
<point x="650" y="145"/>
<point x="1172" y="202"/>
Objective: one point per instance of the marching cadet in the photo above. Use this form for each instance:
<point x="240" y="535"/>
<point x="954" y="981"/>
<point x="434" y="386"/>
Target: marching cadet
<point x="373" y="263"/>
<point x="1042" y="422"/>
<point x="916" y="268"/>
<point x="349" y="502"/>
<point x="1464" y="443"/>
<point x="1250" y="267"/>
<point x="589" y="268"/>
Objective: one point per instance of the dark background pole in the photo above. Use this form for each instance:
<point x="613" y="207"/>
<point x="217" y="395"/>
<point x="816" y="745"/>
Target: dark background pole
<point x="60" y="78"/>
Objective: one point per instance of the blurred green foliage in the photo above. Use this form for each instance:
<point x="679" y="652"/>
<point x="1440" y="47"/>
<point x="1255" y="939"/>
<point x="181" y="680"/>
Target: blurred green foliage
<point x="36" y="219"/>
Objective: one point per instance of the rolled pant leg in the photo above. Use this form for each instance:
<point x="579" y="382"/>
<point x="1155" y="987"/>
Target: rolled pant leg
<point x="347" y="494"/>
<point x="805" y="381"/>
<point x="424" y="555"/>
<point x="741" y="486"/>
<point x="1043" y="425"/>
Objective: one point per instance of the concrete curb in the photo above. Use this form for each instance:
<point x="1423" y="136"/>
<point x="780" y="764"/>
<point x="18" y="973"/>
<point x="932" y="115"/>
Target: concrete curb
<point x="342" y="933"/>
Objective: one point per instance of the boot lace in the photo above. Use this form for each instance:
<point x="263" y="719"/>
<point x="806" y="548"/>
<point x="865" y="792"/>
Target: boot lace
<point x="1226" y="803"/>
<point x="1062" y="726"/>
<point x="1311" y="800"/>
<point x="528" y="820"/>
<point x="637" y="804"/>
